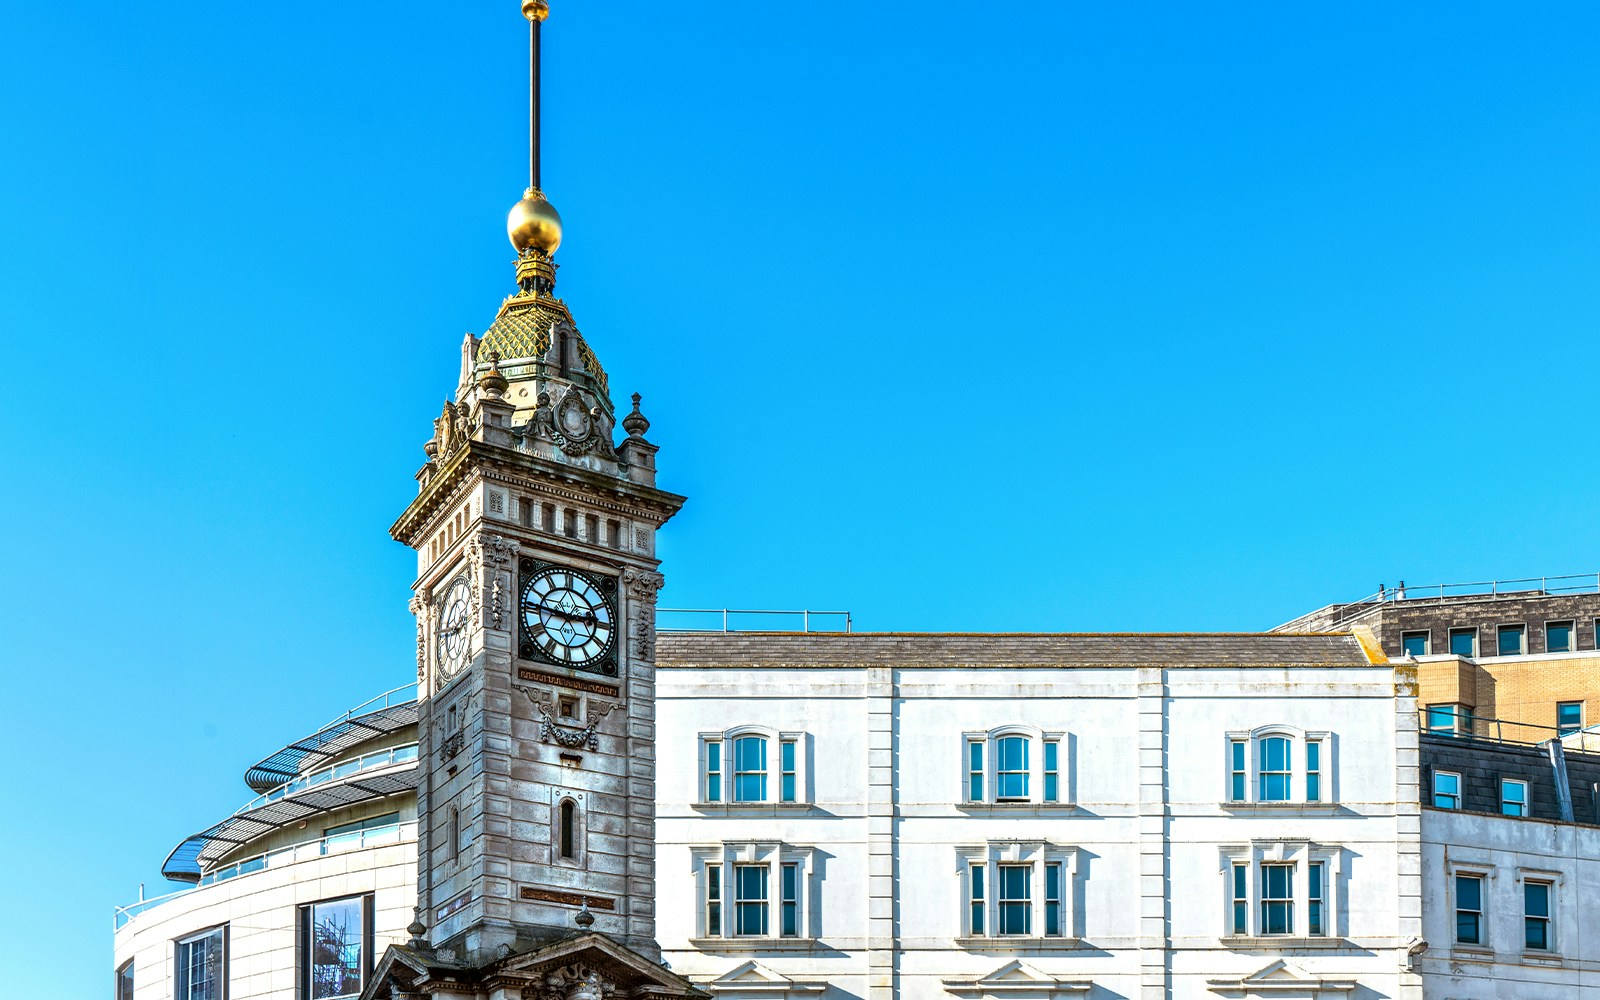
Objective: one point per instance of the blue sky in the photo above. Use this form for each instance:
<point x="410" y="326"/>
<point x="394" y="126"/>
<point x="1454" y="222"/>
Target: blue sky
<point x="1039" y="316"/>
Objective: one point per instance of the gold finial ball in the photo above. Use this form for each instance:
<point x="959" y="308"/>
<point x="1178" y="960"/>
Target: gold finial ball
<point x="533" y="222"/>
<point x="535" y="10"/>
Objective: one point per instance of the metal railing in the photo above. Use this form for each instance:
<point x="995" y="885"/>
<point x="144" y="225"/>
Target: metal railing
<point x="1446" y="721"/>
<point x="1533" y="586"/>
<point x="366" y="762"/>
<point x="389" y="699"/>
<point x="395" y="833"/>
<point x="742" y="620"/>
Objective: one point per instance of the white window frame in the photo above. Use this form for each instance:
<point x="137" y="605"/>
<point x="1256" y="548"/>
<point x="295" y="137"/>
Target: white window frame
<point x="1034" y="854"/>
<point x="774" y="768"/>
<point x="1300" y="854"/>
<point x="1037" y="738"/>
<point x="1485" y="876"/>
<point x="1433" y="791"/>
<point x="773" y="855"/>
<point x="220" y="930"/>
<point x="1505" y="801"/>
<point x="1460" y="718"/>
<point x="1552" y="920"/>
<point x="1327" y="770"/>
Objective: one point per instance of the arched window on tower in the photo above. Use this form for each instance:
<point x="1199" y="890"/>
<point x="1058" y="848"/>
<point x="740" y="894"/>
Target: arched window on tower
<point x="568" y="835"/>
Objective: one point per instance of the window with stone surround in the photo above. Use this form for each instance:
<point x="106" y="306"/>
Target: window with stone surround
<point x="1280" y="889"/>
<point x="1013" y="765"/>
<point x="1020" y="890"/>
<point x="757" y="891"/>
<point x="1278" y="765"/>
<point x="753" y="765"/>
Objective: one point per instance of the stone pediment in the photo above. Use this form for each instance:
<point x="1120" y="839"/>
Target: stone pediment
<point x="754" y="981"/>
<point x="1282" y="981"/>
<point x="585" y="966"/>
<point x="1017" y="981"/>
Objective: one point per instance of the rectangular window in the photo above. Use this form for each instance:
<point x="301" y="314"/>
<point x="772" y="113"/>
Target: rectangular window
<point x="750" y="769"/>
<point x="791" y="900"/>
<point x="750" y="900"/>
<point x="125" y="982"/>
<point x="1313" y="770"/>
<point x="1052" y="771"/>
<point x="976" y="869"/>
<point x="975" y="771"/>
<point x="1052" y="899"/>
<point x="1414" y="643"/>
<point x="569" y="522"/>
<point x="361" y="833"/>
<point x="1511" y="640"/>
<point x="1241" y="899"/>
<point x="1446" y="790"/>
<point x="786" y="752"/>
<point x="1536" y="915"/>
<point x="1569" y="717"/>
<point x="202" y="966"/>
<point x="614" y="534"/>
<point x="591" y="529"/>
<point x="1469" y="909"/>
<point x="1015" y="914"/>
<point x="1011" y="769"/>
<point x="713" y="900"/>
<point x="713" y="770"/>
<point x="1314" y="899"/>
<point x="547" y="517"/>
<point x="1464" y="642"/>
<point x="334" y="942"/>
<point x="1277" y="899"/>
<point x="1558" y="637"/>
<point x="1513" y="797"/>
<point x="1237" y="771"/>
<point x="525" y="511"/>
<point x="1276" y="761"/>
<point x="1443" y="719"/>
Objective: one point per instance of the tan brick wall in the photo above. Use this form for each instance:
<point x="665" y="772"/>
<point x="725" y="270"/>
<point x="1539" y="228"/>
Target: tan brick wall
<point x="1521" y="692"/>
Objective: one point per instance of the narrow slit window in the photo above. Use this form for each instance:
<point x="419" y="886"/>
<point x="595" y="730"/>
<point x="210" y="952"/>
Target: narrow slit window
<point x="975" y="771"/>
<point x="713" y="770"/>
<point x="569" y="822"/>
<point x="1237" y="776"/>
<point x="1313" y="770"/>
<point x="1315" y="876"/>
<point x="1052" y="899"/>
<point x="713" y="900"/>
<point x="614" y="534"/>
<point x="1241" y="899"/>
<point x="791" y="900"/>
<point x="1052" y="771"/>
<point x="547" y="517"/>
<point x="786" y="751"/>
<point x="977" y="903"/>
<point x="591" y="529"/>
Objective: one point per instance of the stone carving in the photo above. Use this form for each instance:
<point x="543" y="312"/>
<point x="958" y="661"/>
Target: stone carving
<point x="643" y="586"/>
<point x="419" y="605"/>
<point x="571" y="737"/>
<point x="499" y="552"/>
<point x="572" y="982"/>
<point x="451" y="430"/>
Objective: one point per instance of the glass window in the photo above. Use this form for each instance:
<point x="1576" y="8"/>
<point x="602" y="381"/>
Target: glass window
<point x="713" y="770"/>
<point x="1241" y="899"/>
<point x="1469" y="909"/>
<point x="125" y="982"/>
<point x="1052" y="899"/>
<point x="335" y="946"/>
<point x="1536" y="915"/>
<point x="791" y="900"/>
<point x="569" y="823"/>
<point x="1510" y="640"/>
<point x="1446" y="790"/>
<point x="1314" y="898"/>
<point x="1444" y="718"/>
<point x="1011" y="768"/>
<point x="977" y="871"/>
<point x="1414" y="643"/>
<point x="750" y="899"/>
<point x="1276" y="759"/>
<point x="1052" y="772"/>
<point x="363" y="832"/>
<point x="202" y="966"/>
<point x="1558" y="637"/>
<point x="1277" y="899"/>
<point x="713" y="900"/>
<point x="1569" y="717"/>
<point x="1237" y="771"/>
<point x="750" y="769"/>
<point x="1313" y="770"/>
<point x="975" y="771"/>
<point x="1016" y="903"/>
<point x="786" y="752"/>
<point x="1513" y="797"/>
<point x="1464" y="641"/>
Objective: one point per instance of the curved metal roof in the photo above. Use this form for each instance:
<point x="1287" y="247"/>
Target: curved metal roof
<point x="188" y="860"/>
<point x="387" y="713"/>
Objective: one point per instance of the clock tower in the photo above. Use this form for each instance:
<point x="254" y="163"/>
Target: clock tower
<point x="535" y="532"/>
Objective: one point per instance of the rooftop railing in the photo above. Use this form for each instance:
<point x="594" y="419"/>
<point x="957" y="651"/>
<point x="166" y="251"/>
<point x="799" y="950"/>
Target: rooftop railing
<point x="334" y="772"/>
<point x="1442" y="720"/>
<point x="395" y="833"/>
<point x="1533" y="586"/>
<point x="402" y="695"/>
<point x="740" y="620"/>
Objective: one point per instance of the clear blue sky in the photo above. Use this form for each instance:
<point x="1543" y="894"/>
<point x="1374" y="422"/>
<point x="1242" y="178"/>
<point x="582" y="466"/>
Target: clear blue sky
<point x="1028" y="315"/>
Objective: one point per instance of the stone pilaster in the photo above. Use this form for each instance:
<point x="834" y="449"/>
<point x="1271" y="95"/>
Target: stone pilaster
<point x="1155" y="927"/>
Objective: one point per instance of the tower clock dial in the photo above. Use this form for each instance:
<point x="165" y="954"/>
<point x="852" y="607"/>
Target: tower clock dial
<point x="567" y="616"/>
<point x="454" y="618"/>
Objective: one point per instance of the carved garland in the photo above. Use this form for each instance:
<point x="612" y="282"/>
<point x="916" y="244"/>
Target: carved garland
<point x="551" y="731"/>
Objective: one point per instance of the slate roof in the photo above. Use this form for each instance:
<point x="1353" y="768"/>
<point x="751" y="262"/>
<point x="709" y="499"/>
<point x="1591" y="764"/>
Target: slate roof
<point x="1004" y="649"/>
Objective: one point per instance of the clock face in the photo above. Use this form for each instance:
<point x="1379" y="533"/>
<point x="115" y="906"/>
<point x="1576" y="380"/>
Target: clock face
<point x="567" y="616"/>
<point x="454" y="615"/>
